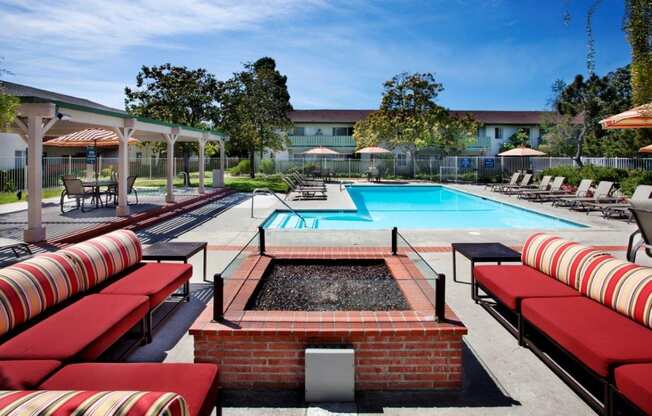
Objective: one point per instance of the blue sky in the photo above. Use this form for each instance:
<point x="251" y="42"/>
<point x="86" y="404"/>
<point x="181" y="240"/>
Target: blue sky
<point x="491" y="54"/>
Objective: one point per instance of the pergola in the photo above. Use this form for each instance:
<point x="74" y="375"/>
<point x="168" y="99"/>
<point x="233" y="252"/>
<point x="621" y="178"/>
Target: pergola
<point x="43" y="112"/>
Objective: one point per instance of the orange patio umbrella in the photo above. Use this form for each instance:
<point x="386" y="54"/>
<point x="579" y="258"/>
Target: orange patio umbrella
<point x="636" y="118"/>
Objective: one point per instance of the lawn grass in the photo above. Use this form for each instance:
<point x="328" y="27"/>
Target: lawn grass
<point x="9" y="197"/>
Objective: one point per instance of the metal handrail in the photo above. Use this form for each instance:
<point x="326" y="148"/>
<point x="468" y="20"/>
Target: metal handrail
<point x="270" y="192"/>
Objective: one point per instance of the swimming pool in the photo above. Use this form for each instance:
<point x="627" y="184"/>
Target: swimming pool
<point x="417" y="206"/>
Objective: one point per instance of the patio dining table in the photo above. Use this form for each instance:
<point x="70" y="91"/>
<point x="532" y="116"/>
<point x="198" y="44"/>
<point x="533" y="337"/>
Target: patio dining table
<point x="95" y="189"/>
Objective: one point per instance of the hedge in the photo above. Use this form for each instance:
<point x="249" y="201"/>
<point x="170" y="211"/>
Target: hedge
<point x="627" y="179"/>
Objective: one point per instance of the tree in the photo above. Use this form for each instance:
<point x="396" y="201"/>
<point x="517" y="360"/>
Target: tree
<point x="176" y="94"/>
<point x="638" y="26"/>
<point x="519" y="139"/>
<point x="410" y="118"/>
<point x="559" y="135"/>
<point x="8" y="105"/>
<point x="254" y="106"/>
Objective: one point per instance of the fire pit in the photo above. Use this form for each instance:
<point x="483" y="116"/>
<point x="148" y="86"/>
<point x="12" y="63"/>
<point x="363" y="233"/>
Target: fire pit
<point x="275" y="306"/>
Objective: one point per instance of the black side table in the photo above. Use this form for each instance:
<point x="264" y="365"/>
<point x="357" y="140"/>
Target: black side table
<point x="482" y="253"/>
<point x="175" y="251"/>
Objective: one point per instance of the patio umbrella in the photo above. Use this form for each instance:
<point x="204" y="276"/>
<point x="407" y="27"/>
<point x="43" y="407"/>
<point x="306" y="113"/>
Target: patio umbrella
<point x="373" y="150"/>
<point x="321" y="152"/>
<point x="646" y="149"/>
<point x="85" y="138"/>
<point x="636" y="118"/>
<point x="521" y="151"/>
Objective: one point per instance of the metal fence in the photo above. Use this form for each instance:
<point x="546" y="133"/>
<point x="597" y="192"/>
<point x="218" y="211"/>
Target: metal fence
<point x="14" y="173"/>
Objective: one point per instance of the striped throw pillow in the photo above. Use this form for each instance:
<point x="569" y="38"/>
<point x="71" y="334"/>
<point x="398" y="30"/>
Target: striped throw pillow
<point x="34" y="285"/>
<point x="105" y="256"/>
<point x="91" y="403"/>
<point x="558" y="258"/>
<point x="622" y="286"/>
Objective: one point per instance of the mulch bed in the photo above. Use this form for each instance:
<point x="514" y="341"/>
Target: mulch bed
<point x="328" y="286"/>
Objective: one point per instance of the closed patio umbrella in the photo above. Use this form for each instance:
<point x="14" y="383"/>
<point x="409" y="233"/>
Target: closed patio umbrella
<point x="636" y="118"/>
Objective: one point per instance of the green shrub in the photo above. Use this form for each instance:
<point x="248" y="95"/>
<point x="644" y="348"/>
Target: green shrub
<point x="266" y="166"/>
<point x="627" y="179"/>
<point x="636" y="177"/>
<point x="106" y="172"/>
<point x="243" y="167"/>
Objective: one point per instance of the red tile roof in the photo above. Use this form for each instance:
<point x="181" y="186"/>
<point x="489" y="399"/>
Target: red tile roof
<point x="351" y="116"/>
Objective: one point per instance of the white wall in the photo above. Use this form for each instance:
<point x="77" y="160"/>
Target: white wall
<point x="9" y="144"/>
<point x="507" y="132"/>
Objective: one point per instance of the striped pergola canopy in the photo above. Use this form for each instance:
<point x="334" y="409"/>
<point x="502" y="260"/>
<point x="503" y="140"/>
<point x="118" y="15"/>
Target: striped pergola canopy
<point x="88" y="137"/>
<point x="636" y="118"/>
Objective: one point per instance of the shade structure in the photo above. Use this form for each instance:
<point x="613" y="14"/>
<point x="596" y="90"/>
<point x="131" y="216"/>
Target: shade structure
<point x="636" y="118"/>
<point x="321" y="151"/>
<point x="373" y="150"/>
<point x="522" y="152"/>
<point x="88" y="137"/>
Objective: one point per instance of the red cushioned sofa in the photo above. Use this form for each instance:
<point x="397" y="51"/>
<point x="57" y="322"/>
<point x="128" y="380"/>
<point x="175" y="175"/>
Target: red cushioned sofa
<point x="70" y="306"/>
<point x="587" y="315"/>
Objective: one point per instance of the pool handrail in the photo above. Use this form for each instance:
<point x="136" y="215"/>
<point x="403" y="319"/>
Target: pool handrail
<point x="270" y="192"/>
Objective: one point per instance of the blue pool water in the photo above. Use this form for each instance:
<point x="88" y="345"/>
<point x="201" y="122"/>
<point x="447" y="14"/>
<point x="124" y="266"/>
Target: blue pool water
<point x="383" y="206"/>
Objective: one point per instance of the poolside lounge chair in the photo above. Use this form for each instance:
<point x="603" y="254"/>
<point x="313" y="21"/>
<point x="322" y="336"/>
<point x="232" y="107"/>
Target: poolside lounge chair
<point x="602" y="194"/>
<point x="544" y="184"/>
<point x="642" y="213"/>
<point x="512" y="182"/>
<point x="73" y="188"/>
<point x="304" y="192"/>
<point x="298" y="183"/>
<point x="525" y="183"/>
<point x="582" y="191"/>
<point x="301" y="180"/>
<point x="15" y="246"/>
<point x="622" y="209"/>
<point x="554" y="191"/>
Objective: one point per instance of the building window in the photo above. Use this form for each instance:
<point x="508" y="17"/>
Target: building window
<point x="401" y="160"/>
<point x="498" y="133"/>
<point x="318" y="132"/>
<point x="298" y="131"/>
<point x="342" y="131"/>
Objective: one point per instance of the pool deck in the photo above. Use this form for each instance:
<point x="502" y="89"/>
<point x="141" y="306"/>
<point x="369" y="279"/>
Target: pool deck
<point x="500" y="377"/>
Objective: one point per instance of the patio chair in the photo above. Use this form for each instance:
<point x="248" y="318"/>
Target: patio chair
<point x="297" y="183"/>
<point x="554" y="191"/>
<point x="526" y="183"/>
<point x="602" y="194"/>
<point x="512" y="182"/>
<point x="373" y="174"/>
<point x="642" y="213"/>
<point x="73" y="188"/>
<point x="622" y="209"/>
<point x="582" y="191"/>
<point x="544" y="184"/>
<point x="15" y="246"/>
<point x="112" y="191"/>
<point x="303" y="181"/>
<point x="304" y="192"/>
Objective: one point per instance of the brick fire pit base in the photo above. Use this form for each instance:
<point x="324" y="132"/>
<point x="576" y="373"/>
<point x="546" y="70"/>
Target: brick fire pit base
<point x="394" y="350"/>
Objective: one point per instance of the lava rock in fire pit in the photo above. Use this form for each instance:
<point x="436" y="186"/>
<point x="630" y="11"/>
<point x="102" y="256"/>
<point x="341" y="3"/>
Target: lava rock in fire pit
<point x="328" y="286"/>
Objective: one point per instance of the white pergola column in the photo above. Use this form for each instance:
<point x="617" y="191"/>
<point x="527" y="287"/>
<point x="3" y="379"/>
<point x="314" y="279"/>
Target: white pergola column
<point x="124" y="133"/>
<point x="202" y="162"/>
<point x="34" y="131"/>
<point x="170" y="138"/>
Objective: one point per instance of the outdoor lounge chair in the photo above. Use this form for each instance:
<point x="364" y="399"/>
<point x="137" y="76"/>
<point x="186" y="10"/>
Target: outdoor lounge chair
<point x="296" y="183"/>
<point x="554" y="191"/>
<point x="301" y="180"/>
<point x="15" y="246"/>
<point x="544" y="184"/>
<point x="525" y="183"/>
<point x="512" y="182"/>
<point x="642" y="213"/>
<point x="317" y="192"/>
<point x="73" y="188"/>
<point x="602" y="194"/>
<point x="582" y="191"/>
<point x="622" y="209"/>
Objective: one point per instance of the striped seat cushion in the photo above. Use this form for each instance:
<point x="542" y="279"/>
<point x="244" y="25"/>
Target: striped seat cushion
<point x="91" y="403"/>
<point x="622" y="286"/>
<point x="558" y="258"/>
<point x="32" y="286"/>
<point x="105" y="256"/>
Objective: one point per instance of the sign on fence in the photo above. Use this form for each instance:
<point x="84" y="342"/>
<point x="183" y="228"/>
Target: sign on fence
<point x="466" y="163"/>
<point x="91" y="155"/>
<point x="489" y="163"/>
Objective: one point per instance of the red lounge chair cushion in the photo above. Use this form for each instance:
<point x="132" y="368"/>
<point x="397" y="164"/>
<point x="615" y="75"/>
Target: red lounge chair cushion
<point x="196" y="383"/>
<point x="82" y="331"/>
<point x="510" y="284"/>
<point x="634" y="381"/>
<point x="558" y="258"/>
<point x="620" y="285"/>
<point x="25" y="374"/>
<point x="154" y="280"/>
<point x="97" y="403"/>
<point x="103" y="257"/>
<point x="595" y="334"/>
